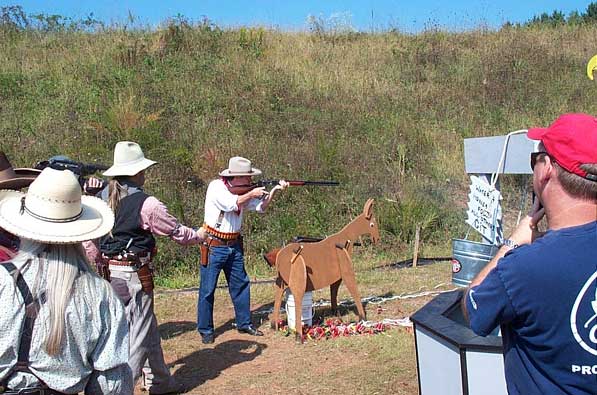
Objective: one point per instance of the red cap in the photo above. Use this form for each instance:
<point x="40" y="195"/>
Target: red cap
<point x="571" y="140"/>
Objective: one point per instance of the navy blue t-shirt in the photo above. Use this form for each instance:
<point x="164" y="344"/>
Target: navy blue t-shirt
<point x="544" y="297"/>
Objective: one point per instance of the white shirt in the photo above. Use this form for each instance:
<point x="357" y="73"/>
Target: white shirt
<point x="95" y="349"/>
<point x="217" y="199"/>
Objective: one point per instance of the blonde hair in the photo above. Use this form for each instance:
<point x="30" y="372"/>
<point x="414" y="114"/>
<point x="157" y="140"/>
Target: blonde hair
<point x="115" y="193"/>
<point x="63" y="270"/>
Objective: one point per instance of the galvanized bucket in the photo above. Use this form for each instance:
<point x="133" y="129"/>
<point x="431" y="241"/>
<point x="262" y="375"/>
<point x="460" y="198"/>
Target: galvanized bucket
<point x="468" y="258"/>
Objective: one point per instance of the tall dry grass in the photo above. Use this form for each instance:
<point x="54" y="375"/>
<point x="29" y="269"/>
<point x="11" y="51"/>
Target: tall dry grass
<point x="384" y="114"/>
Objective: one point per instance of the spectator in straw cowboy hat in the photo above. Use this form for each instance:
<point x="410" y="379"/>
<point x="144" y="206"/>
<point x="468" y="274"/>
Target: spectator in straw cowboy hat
<point x="128" y="251"/>
<point x="15" y="179"/>
<point x="63" y="328"/>
<point x="223" y="249"/>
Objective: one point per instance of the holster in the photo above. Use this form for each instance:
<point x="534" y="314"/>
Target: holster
<point x="204" y="254"/>
<point x="103" y="270"/>
<point x="145" y="274"/>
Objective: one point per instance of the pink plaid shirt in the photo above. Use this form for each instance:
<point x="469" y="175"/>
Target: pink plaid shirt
<point x="155" y="218"/>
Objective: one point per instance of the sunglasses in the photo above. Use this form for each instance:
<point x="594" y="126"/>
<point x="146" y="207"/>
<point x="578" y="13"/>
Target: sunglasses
<point x="535" y="156"/>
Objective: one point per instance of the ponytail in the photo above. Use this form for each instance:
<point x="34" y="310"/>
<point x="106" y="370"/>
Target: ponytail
<point x="115" y="192"/>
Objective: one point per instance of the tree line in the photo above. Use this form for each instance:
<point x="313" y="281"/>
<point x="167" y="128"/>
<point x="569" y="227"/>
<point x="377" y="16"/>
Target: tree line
<point x="13" y="18"/>
<point x="558" y="18"/>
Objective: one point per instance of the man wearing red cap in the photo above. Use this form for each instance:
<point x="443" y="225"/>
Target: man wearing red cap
<point x="541" y="288"/>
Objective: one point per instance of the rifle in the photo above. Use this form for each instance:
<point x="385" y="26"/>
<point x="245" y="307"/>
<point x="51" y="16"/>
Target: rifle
<point x="81" y="170"/>
<point x="242" y="189"/>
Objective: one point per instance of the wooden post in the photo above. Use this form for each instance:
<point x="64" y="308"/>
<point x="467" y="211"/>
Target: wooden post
<point x="416" y="252"/>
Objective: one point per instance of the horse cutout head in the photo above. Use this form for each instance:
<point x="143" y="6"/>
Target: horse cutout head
<point x="372" y="221"/>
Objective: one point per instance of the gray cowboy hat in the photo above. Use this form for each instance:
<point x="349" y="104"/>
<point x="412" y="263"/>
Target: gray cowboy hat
<point x="238" y="167"/>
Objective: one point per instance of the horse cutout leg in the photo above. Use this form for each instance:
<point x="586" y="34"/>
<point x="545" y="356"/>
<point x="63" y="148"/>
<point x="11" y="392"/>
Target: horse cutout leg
<point x="334" y="296"/>
<point x="280" y="287"/>
<point x="347" y="273"/>
<point x="297" y="285"/>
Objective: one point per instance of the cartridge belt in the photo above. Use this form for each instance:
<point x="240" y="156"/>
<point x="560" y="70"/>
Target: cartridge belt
<point x="221" y="235"/>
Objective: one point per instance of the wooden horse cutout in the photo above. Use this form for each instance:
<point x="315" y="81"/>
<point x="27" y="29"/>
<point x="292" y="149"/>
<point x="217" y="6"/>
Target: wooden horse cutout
<point x="309" y="266"/>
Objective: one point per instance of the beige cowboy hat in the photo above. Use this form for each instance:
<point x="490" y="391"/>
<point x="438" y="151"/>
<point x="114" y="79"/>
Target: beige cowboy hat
<point x="53" y="211"/>
<point x="128" y="160"/>
<point x="239" y="166"/>
<point x="11" y="178"/>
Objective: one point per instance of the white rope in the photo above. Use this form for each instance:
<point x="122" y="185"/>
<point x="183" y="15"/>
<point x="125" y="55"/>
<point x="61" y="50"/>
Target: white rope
<point x="389" y="322"/>
<point x="494" y="176"/>
<point x="500" y="169"/>
<point x="370" y="299"/>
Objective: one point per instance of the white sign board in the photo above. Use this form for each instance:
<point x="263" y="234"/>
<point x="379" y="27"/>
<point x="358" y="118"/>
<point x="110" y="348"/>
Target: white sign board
<point x="482" y="154"/>
<point x="484" y="210"/>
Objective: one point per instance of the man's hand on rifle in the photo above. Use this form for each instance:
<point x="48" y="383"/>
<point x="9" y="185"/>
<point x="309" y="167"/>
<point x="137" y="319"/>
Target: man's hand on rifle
<point x="270" y="195"/>
<point x="93" y="185"/>
<point x="258" y="193"/>
<point x="282" y="185"/>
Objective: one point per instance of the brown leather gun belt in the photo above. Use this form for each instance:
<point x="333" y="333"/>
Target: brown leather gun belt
<point x="215" y="242"/>
<point x="119" y="260"/>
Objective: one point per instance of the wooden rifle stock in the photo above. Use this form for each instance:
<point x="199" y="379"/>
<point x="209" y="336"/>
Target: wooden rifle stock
<point x="242" y="189"/>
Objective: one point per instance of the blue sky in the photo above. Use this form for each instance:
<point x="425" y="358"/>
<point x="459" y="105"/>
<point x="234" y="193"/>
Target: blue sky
<point x="364" y="15"/>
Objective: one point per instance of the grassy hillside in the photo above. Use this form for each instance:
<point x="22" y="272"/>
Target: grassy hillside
<point x="384" y="114"/>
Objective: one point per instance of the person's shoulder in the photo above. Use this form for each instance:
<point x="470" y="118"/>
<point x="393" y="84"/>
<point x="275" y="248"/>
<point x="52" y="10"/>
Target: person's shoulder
<point x="97" y="281"/>
<point x="100" y="287"/>
<point x="216" y="183"/>
<point x="523" y="253"/>
<point x="529" y="258"/>
<point x="152" y="200"/>
<point x="5" y="277"/>
<point x="104" y="294"/>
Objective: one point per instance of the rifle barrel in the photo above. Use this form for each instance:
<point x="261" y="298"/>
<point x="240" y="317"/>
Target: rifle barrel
<point x="323" y="183"/>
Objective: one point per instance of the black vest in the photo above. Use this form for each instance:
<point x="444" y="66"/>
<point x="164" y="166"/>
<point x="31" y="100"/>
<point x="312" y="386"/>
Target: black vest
<point x="126" y="227"/>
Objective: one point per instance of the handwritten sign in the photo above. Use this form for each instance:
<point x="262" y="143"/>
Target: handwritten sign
<point x="484" y="210"/>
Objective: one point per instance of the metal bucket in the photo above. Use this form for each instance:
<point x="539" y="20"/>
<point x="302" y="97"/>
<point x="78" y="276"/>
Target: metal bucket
<point x="468" y="258"/>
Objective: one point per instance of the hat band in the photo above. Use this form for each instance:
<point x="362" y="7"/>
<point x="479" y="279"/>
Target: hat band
<point x="48" y="219"/>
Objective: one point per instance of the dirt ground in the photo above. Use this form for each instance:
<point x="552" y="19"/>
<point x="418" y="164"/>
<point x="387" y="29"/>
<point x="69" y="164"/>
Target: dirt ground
<point x="366" y="364"/>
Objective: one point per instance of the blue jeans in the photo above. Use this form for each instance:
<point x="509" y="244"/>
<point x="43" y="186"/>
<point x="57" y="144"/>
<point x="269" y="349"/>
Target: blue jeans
<point x="231" y="261"/>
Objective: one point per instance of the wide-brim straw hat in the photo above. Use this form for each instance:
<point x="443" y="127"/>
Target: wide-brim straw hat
<point x="238" y="167"/>
<point x="54" y="211"/>
<point x="11" y="178"/>
<point x="128" y="160"/>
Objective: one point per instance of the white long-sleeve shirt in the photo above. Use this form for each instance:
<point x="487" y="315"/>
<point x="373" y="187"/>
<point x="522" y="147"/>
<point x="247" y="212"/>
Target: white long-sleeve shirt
<point x="217" y="199"/>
